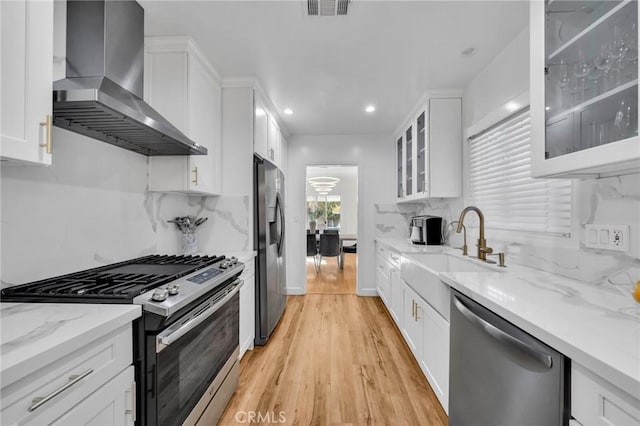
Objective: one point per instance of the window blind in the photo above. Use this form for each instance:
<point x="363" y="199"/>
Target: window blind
<point x="500" y="181"/>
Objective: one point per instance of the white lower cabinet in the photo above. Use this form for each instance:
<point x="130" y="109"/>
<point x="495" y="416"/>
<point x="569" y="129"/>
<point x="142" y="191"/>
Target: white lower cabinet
<point x="427" y="334"/>
<point x="435" y="353"/>
<point x="596" y="402"/>
<point x="92" y="385"/>
<point x="387" y="265"/>
<point x="112" y="404"/>
<point x="413" y="321"/>
<point x="396" y="296"/>
<point x="247" y="308"/>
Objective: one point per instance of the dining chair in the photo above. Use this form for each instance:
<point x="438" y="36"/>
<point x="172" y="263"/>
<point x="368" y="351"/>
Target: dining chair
<point x="329" y="247"/>
<point x="312" y="250"/>
<point x="350" y="249"/>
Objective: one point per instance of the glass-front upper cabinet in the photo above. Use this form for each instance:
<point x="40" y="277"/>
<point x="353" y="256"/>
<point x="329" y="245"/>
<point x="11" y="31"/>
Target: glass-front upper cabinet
<point x="421" y="152"/>
<point x="409" y="161"/>
<point x="399" y="164"/>
<point x="590" y="51"/>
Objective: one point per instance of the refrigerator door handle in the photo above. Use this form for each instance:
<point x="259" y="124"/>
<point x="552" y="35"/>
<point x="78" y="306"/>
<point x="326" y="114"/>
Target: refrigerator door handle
<point x="524" y="354"/>
<point x="280" y="212"/>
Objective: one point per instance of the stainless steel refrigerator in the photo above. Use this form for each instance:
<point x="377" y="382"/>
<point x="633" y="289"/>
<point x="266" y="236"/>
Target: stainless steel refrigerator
<point x="270" y="276"/>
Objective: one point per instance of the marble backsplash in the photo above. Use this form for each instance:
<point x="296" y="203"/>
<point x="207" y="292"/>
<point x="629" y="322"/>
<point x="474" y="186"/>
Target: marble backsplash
<point x="82" y="212"/>
<point x="612" y="201"/>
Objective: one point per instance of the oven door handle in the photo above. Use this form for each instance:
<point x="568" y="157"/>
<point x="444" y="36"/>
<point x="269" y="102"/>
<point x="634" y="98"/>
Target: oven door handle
<point x="169" y="336"/>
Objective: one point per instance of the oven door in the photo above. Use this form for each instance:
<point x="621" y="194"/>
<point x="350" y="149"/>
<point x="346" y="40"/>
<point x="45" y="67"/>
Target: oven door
<point x="192" y="352"/>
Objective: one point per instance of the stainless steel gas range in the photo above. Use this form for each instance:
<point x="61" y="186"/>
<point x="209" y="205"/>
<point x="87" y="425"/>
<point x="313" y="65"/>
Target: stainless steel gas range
<point x="186" y="342"/>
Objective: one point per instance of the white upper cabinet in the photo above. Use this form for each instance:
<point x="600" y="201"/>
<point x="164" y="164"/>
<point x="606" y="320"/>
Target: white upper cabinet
<point x="273" y="142"/>
<point x="261" y="129"/>
<point x="584" y="88"/>
<point x="182" y="86"/>
<point x="26" y="78"/>
<point x="429" y="152"/>
<point x="268" y="139"/>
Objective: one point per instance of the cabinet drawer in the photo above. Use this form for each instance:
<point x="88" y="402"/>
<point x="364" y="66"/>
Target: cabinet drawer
<point x="383" y="267"/>
<point x="98" y="362"/>
<point x="594" y="401"/>
<point x="391" y="256"/>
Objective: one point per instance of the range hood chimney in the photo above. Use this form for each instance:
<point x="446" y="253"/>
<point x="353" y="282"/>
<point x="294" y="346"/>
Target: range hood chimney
<point x="102" y="94"/>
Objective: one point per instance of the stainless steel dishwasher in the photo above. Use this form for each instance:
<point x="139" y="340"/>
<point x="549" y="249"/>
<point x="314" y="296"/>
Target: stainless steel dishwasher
<point x="500" y="375"/>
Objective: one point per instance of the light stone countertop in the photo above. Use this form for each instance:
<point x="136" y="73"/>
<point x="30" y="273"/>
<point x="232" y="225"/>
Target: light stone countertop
<point x="593" y="324"/>
<point x="36" y="334"/>
<point x="243" y="256"/>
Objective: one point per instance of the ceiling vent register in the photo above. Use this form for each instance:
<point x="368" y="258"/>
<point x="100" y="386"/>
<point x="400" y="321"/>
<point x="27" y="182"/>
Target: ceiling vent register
<point x="327" y="7"/>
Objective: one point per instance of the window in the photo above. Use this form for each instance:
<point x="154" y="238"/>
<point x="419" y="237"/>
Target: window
<point x="325" y="208"/>
<point x="500" y="182"/>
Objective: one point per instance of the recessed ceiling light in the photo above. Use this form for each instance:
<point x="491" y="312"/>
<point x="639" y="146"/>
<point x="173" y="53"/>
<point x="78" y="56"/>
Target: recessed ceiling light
<point x="288" y="111"/>
<point x="370" y="108"/>
<point x="260" y="112"/>
<point x="468" y="52"/>
<point x="512" y="106"/>
<point x="547" y="108"/>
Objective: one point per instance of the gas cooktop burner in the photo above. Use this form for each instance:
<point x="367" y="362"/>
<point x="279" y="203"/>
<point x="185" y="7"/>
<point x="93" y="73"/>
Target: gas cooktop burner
<point x="117" y="283"/>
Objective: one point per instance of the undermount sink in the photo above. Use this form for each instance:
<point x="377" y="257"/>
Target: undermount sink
<point x="441" y="262"/>
<point x="421" y="271"/>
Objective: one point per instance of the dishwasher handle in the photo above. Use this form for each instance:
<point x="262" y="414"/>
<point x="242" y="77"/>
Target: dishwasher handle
<point x="526" y="355"/>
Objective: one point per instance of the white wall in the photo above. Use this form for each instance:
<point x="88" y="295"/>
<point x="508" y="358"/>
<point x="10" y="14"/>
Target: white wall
<point x="505" y="78"/>
<point x="91" y="208"/>
<point x="373" y="155"/>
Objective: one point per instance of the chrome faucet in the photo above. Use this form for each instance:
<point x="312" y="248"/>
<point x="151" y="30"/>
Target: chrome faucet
<point x="483" y="250"/>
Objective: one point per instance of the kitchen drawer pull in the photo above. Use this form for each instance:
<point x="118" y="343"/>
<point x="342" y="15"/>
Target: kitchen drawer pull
<point x="38" y="402"/>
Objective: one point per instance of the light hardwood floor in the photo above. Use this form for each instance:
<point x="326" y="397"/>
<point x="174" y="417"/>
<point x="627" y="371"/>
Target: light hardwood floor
<point x="331" y="279"/>
<point x="334" y="360"/>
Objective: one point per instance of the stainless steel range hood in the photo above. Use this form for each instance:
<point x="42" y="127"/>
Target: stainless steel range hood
<point x="102" y="94"/>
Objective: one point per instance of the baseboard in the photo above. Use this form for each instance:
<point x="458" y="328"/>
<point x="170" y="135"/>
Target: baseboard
<point x="368" y="292"/>
<point x="247" y="345"/>
<point x="295" y="291"/>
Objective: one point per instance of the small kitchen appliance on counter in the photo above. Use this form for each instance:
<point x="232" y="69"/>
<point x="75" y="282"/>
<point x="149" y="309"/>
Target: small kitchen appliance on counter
<point x="186" y="343"/>
<point x="426" y="230"/>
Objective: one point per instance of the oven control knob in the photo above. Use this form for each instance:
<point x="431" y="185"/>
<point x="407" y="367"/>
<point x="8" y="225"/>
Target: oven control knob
<point x="160" y="294"/>
<point x="224" y="265"/>
<point x="234" y="260"/>
<point x="173" y="289"/>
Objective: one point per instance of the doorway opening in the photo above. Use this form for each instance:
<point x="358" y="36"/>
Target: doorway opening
<point x="332" y="229"/>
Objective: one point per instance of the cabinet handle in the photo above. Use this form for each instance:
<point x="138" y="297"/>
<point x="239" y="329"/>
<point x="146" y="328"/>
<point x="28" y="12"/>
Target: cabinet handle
<point x="132" y="411"/>
<point x="417" y="308"/>
<point x="272" y="153"/>
<point x="38" y="401"/>
<point x="195" y="176"/>
<point x="413" y="309"/>
<point x="47" y="125"/>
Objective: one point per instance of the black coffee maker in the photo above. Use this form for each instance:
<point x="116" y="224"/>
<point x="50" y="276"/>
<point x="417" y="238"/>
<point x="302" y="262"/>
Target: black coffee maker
<point x="426" y="230"/>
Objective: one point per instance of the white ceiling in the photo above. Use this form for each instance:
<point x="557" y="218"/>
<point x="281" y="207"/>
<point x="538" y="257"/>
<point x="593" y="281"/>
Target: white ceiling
<point x="386" y="53"/>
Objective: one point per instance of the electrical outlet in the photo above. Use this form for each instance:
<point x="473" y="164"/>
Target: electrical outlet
<point x="607" y="237"/>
